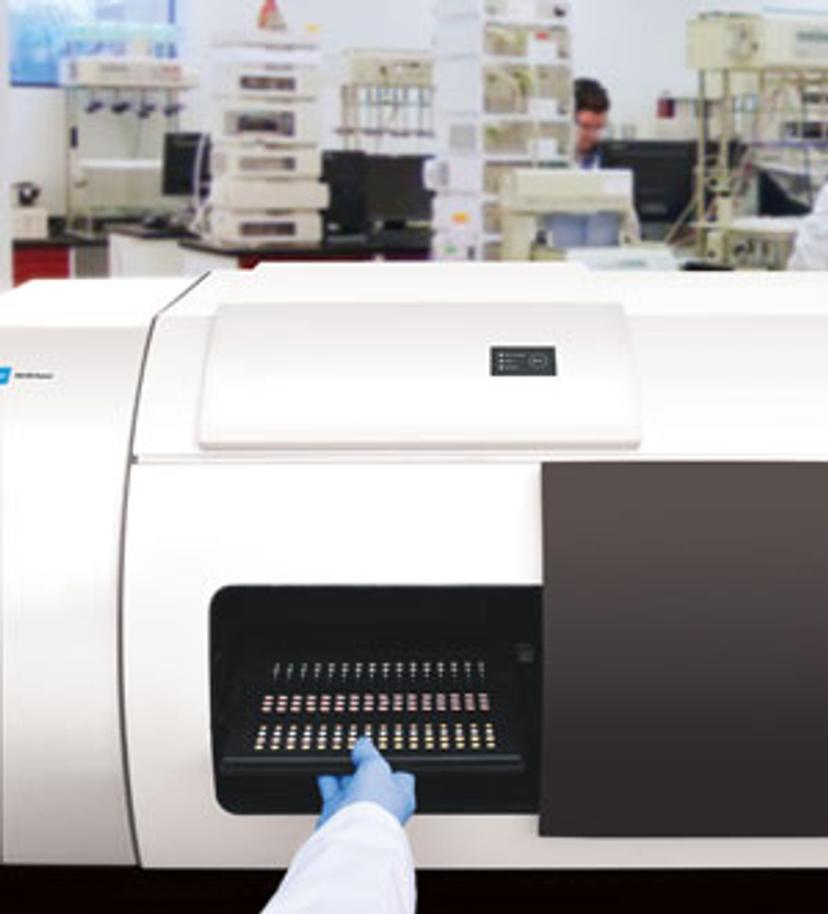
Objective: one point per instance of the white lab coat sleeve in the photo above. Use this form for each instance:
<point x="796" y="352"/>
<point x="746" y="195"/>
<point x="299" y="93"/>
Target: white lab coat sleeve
<point x="811" y="246"/>
<point x="359" y="862"/>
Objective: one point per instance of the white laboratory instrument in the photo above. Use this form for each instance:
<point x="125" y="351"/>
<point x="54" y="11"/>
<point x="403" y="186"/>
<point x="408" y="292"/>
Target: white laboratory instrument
<point x="110" y="72"/>
<point x="117" y="112"/>
<point x="243" y="521"/>
<point x="239" y="158"/>
<point x="745" y="42"/>
<point x="266" y="156"/>
<point x="265" y="228"/>
<point x="237" y="193"/>
<point x="529" y="197"/>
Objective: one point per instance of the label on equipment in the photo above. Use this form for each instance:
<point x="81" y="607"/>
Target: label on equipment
<point x="279" y="123"/>
<point x="263" y="229"/>
<point x="269" y="83"/>
<point x="524" y="362"/>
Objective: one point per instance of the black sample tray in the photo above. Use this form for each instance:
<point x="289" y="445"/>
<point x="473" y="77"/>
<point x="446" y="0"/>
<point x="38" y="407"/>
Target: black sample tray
<point x="425" y="714"/>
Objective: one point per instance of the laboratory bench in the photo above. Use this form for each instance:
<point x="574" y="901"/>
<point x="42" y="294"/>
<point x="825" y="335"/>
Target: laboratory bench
<point x="60" y="256"/>
<point x="136" y="250"/>
<point x="126" y="249"/>
<point x="133" y="250"/>
<point x="201" y="256"/>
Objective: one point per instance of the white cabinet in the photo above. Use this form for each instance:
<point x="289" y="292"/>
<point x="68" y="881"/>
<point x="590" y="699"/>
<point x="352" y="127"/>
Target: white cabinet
<point x="135" y="258"/>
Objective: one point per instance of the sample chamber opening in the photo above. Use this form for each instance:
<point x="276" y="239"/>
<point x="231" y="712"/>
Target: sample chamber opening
<point x="446" y="680"/>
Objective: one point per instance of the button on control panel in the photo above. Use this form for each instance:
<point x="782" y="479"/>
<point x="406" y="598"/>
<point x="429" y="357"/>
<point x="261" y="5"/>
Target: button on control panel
<point x="511" y="362"/>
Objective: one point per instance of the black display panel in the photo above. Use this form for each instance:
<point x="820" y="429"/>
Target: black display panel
<point x="686" y="650"/>
<point x="532" y="362"/>
<point x="183" y="154"/>
<point x="374" y="193"/>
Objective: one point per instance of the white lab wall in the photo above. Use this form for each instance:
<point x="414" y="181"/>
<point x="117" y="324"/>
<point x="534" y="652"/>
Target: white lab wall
<point x="637" y="49"/>
<point x="636" y="46"/>
<point x="40" y="148"/>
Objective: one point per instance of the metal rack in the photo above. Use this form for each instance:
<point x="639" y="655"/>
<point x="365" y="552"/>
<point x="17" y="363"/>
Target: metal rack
<point x="766" y="80"/>
<point x="386" y="96"/>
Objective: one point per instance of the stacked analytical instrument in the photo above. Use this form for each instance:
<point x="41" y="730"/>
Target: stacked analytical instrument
<point x="265" y="158"/>
<point x="503" y="79"/>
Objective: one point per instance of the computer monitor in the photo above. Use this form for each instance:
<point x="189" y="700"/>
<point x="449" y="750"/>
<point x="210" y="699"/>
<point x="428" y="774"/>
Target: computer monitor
<point x="395" y="191"/>
<point x="344" y="173"/>
<point x="777" y="200"/>
<point x="374" y="192"/>
<point x="665" y="173"/>
<point x="181" y="156"/>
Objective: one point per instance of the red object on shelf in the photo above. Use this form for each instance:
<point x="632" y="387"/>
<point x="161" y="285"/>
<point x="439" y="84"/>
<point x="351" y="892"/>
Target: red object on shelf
<point x="666" y="107"/>
<point x="41" y="262"/>
<point x="269" y="16"/>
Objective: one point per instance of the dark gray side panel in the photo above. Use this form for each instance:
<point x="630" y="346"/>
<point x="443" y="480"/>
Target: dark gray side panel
<point x="686" y="650"/>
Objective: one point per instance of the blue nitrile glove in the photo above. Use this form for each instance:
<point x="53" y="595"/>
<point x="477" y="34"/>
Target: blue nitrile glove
<point x="372" y="782"/>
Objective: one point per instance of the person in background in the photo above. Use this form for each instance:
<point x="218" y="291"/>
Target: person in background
<point x="599" y="230"/>
<point x="592" y="107"/>
<point x="811" y="246"/>
<point x="358" y="861"/>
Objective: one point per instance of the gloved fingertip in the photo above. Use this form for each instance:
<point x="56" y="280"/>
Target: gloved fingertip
<point x="328" y="787"/>
<point x="406" y="780"/>
<point x="364" y="751"/>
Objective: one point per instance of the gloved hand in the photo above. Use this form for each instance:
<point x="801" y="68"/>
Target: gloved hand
<point x="372" y="782"/>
